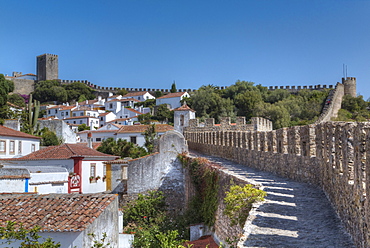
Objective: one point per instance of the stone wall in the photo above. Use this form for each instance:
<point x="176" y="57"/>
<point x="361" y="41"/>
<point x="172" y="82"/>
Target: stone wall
<point x="161" y="171"/>
<point x="23" y="86"/>
<point x="331" y="155"/>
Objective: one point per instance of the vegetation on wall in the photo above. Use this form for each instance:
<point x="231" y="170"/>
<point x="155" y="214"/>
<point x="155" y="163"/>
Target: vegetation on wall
<point x="239" y="200"/>
<point x="205" y="179"/>
<point x="146" y="218"/>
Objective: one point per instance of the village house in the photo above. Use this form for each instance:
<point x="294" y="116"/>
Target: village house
<point x="140" y="96"/>
<point x="172" y="99"/>
<point x="90" y="121"/>
<point x="125" y="121"/>
<point x="42" y="180"/>
<point x="66" y="218"/>
<point x="87" y="173"/>
<point x="15" y="143"/>
<point x="106" y="117"/>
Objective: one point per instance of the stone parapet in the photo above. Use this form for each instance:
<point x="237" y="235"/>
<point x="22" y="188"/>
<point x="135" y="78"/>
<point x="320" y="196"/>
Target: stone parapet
<point x="332" y="155"/>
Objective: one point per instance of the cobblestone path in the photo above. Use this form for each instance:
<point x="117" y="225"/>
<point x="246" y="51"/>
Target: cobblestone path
<point x="292" y="215"/>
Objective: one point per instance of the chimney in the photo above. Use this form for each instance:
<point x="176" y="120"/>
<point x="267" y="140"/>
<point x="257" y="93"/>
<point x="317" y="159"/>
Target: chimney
<point x="89" y="140"/>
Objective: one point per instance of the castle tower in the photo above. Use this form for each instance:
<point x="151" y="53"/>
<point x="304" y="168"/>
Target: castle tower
<point x="182" y="115"/>
<point x="349" y="86"/>
<point x="47" y="67"/>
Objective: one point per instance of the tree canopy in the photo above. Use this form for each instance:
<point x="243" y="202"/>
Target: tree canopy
<point x="121" y="148"/>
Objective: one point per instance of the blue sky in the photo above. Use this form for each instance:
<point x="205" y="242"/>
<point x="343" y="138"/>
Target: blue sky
<point x="151" y="43"/>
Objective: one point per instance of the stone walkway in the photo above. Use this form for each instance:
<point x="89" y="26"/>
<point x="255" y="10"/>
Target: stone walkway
<point x="292" y="215"/>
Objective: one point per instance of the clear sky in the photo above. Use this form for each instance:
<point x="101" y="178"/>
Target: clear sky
<point x="151" y="43"/>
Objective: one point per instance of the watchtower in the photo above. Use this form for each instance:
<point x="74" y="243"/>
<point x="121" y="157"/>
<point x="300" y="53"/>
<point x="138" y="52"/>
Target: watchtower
<point x="349" y="86"/>
<point x="182" y="115"/>
<point x="47" y="67"/>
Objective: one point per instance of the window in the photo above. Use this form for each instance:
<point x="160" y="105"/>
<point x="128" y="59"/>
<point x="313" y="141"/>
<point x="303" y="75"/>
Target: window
<point x="110" y="105"/>
<point x="98" y="139"/>
<point x="49" y="112"/>
<point x="74" y="114"/>
<point x="80" y="121"/>
<point x="20" y="147"/>
<point x="133" y="139"/>
<point x="138" y="98"/>
<point x="2" y="146"/>
<point x="66" y="113"/>
<point x="12" y="146"/>
<point x="74" y="122"/>
<point x="101" y="118"/>
<point x="33" y="147"/>
<point x="88" y="114"/>
<point x="92" y="172"/>
<point x="97" y="122"/>
<point x="56" y="111"/>
<point x="181" y="120"/>
<point x="62" y="113"/>
<point x="81" y="114"/>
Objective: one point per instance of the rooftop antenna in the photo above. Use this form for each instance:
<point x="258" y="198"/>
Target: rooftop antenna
<point x="345" y="71"/>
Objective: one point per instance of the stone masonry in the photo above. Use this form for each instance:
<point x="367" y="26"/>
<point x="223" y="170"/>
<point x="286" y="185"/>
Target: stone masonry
<point x="331" y="155"/>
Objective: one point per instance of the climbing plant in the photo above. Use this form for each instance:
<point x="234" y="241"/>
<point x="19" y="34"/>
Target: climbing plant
<point x="205" y="179"/>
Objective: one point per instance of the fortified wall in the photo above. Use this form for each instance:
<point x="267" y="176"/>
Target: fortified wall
<point x="332" y="155"/>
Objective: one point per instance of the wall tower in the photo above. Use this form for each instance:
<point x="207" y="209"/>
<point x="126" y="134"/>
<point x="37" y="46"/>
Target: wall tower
<point x="182" y="115"/>
<point x="47" y="67"/>
<point x="349" y="86"/>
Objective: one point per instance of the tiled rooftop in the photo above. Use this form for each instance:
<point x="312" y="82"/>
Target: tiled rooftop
<point x="5" y="131"/>
<point x="53" y="212"/>
<point x="135" y="94"/>
<point x="184" y="108"/>
<point x="65" y="151"/>
<point x="176" y="94"/>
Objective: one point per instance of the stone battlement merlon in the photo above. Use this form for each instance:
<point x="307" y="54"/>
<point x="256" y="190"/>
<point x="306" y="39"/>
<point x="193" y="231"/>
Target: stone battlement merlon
<point x="299" y="87"/>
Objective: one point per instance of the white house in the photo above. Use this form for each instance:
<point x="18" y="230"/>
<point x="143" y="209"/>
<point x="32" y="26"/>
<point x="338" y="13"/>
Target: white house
<point x="140" y="96"/>
<point x="173" y="99"/>
<point x="66" y="218"/>
<point x="106" y="117"/>
<point x="127" y="113"/>
<point x="42" y="180"/>
<point x="90" y="121"/>
<point x="125" y="121"/>
<point x="85" y="111"/>
<point x="131" y="133"/>
<point x="15" y="143"/>
<point x="84" y="164"/>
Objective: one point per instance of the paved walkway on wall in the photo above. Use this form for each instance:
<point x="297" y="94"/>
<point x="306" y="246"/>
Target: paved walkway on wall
<point x="292" y="215"/>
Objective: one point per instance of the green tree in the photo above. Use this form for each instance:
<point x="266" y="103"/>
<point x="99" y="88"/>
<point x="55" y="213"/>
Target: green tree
<point x="173" y="88"/>
<point x="246" y="102"/>
<point x="277" y="95"/>
<point x="121" y="148"/>
<point x="158" y="93"/>
<point x="162" y="113"/>
<point x="150" y="135"/>
<point x="83" y="127"/>
<point x="30" y="238"/>
<point x="48" y="91"/>
<point x="76" y="89"/>
<point x="49" y="138"/>
<point x="147" y="103"/>
<point x="122" y="92"/>
<point x="6" y="86"/>
<point x="17" y="100"/>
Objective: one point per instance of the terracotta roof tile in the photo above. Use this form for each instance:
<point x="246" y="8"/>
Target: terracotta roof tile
<point x="65" y="151"/>
<point x="135" y="94"/>
<point x="176" y="94"/>
<point x="203" y="242"/>
<point x="5" y="131"/>
<point x="53" y="212"/>
<point x="159" y="128"/>
<point x="88" y="102"/>
<point x="123" y="100"/>
<point x="135" y="111"/>
<point x="184" y="107"/>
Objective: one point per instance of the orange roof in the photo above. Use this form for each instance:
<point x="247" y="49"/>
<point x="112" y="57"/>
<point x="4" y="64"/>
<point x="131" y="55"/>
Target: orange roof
<point x="95" y="145"/>
<point x="104" y="114"/>
<point x="135" y="111"/>
<point x="65" y="151"/>
<point x="122" y="119"/>
<point x="88" y="102"/>
<point x="140" y="93"/>
<point x="5" y="131"/>
<point x="184" y="107"/>
<point x="57" y="106"/>
<point x="67" y="107"/>
<point x="176" y="94"/>
<point x="123" y="100"/>
<point x="54" y="212"/>
<point x="159" y="128"/>
<point x="98" y="131"/>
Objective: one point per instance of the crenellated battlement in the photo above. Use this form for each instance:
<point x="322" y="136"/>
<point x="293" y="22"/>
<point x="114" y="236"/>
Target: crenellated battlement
<point x="331" y="155"/>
